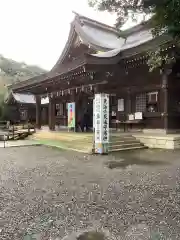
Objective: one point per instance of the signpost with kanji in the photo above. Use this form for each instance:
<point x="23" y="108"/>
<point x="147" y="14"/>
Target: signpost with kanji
<point x="101" y="123"/>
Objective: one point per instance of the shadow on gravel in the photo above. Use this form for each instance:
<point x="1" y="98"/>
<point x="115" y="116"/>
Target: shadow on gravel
<point x="87" y="235"/>
<point x="91" y="236"/>
<point x="141" y="158"/>
<point x="129" y="162"/>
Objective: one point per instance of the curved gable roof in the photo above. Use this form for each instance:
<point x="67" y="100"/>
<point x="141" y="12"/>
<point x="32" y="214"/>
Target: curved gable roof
<point x="139" y="35"/>
<point x="92" y="33"/>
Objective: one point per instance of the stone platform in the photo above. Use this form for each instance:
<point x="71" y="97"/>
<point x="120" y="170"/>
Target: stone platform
<point x="83" y="142"/>
<point x="18" y="143"/>
<point x="163" y="141"/>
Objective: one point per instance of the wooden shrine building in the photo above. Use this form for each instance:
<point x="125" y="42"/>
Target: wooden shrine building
<point x="99" y="58"/>
<point x="22" y="108"/>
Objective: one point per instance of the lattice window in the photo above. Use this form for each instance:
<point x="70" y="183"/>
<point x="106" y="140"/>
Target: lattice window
<point x="141" y="102"/>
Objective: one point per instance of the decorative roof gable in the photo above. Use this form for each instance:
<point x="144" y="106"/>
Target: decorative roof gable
<point x="96" y="35"/>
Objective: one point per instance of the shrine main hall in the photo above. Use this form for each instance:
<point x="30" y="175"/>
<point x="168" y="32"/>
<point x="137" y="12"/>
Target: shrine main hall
<point x="98" y="58"/>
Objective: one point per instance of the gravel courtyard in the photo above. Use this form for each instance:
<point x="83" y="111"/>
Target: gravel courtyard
<point x="47" y="193"/>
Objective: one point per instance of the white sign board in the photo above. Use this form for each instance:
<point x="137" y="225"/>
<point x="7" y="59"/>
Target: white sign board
<point x="138" y="115"/>
<point x="121" y="105"/>
<point x="101" y="123"/>
<point x="131" y="117"/>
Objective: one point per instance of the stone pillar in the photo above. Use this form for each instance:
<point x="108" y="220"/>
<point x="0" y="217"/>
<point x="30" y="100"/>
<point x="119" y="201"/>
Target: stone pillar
<point x="51" y="114"/>
<point x="38" y="112"/>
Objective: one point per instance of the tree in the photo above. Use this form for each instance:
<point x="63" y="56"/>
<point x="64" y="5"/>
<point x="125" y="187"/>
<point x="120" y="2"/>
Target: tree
<point x="165" y="13"/>
<point x="165" y="17"/>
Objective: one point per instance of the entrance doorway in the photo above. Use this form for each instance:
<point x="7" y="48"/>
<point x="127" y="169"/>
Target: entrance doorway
<point x="85" y="106"/>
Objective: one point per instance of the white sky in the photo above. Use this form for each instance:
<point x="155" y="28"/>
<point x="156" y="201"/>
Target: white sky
<point x="35" y="31"/>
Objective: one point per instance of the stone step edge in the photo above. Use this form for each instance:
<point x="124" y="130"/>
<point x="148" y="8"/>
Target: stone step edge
<point x="127" y="144"/>
<point x="125" y="141"/>
<point x="126" y="149"/>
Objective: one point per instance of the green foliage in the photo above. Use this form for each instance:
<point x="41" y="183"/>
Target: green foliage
<point x="4" y="111"/>
<point x="122" y="8"/>
<point x="165" y="13"/>
<point x="158" y="59"/>
<point x="11" y="72"/>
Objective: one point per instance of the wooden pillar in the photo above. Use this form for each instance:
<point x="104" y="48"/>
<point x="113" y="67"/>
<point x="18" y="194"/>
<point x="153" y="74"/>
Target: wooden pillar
<point x="128" y="104"/>
<point x="51" y="114"/>
<point x="97" y="89"/>
<point x="38" y="112"/>
<point x="164" y="98"/>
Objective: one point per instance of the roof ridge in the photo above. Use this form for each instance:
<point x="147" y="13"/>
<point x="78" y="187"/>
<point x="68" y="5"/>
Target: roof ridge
<point x="95" y="22"/>
<point x="136" y="28"/>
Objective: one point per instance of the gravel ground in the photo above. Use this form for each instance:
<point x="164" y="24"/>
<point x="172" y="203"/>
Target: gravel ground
<point x="46" y="193"/>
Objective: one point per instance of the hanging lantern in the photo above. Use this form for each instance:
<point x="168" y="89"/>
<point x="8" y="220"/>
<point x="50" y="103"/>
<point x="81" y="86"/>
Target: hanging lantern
<point x="69" y="91"/>
<point x="76" y="90"/>
<point x="62" y="93"/>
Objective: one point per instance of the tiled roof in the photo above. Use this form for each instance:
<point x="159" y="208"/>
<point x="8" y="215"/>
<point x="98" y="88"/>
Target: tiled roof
<point x="26" y="98"/>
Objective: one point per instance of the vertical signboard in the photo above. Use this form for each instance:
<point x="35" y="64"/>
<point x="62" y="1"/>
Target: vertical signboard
<point x="101" y="123"/>
<point x="71" y="115"/>
<point x="121" y="105"/>
<point x="93" y="115"/>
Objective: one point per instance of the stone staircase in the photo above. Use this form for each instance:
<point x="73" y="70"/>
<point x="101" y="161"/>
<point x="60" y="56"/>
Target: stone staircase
<point x="84" y="141"/>
<point x="123" y="142"/>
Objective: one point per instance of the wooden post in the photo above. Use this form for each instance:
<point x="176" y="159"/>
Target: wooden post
<point x="51" y="114"/>
<point x="38" y="112"/>
<point x="164" y="97"/>
<point x="128" y="101"/>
